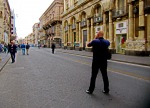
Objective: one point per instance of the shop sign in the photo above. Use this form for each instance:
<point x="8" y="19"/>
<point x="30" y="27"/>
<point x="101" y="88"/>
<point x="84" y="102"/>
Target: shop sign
<point x="121" y="27"/>
<point x="98" y="28"/>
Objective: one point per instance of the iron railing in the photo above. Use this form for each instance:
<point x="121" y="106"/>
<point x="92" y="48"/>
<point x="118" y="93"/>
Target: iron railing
<point x="98" y="19"/>
<point x="83" y="23"/>
<point x="122" y="11"/>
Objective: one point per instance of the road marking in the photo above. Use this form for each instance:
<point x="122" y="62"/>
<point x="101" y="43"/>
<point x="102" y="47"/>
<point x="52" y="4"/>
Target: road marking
<point x="125" y="73"/>
<point x="138" y="65"/>
<point x="129" y="64"/>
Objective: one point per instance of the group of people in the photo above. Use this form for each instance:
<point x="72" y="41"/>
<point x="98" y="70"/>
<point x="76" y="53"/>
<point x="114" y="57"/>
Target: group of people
<point x="12" y="49"/>
<point x="25" y="48"/>
<point x="3" y="48"/>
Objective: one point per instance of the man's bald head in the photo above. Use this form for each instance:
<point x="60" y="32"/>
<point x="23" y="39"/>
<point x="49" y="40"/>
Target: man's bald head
<point x="99" y="34"/>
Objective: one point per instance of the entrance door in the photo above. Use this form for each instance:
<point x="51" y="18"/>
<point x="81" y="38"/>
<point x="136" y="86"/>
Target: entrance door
<point x="120" y="43"/>
<point x="74" y="39"/>
<point x="84" y="38"/>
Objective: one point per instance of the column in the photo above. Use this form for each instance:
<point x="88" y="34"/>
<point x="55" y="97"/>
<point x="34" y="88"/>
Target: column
<point x="104" y="25"/>
<point x="71" y="35"/>
<point x="92" y="29"/>
<point x="131" y="24"/>
<point x="80" y="35"/>
<point x="141" y="20"/>
<point x="69" y="27"/>
<point x="148" y="32"/>
<point x="77" y="32"/>
<point x="88" y="31"/>
<point x="111" y="33"/>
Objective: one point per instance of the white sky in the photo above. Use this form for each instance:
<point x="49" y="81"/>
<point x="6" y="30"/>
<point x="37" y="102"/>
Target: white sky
<point x="28" y="13"/>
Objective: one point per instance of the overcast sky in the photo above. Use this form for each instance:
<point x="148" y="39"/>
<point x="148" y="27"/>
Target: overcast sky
<point x="28" y="13"/>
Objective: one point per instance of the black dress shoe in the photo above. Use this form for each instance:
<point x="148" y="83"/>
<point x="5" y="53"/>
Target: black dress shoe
<point x="88" y="92"/>
<point x="105" y="92"/>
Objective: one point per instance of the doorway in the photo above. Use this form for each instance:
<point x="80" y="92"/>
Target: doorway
<point x="74" y="39"/>
<point x="120" y="43"/>
<point x="84" y="39"/>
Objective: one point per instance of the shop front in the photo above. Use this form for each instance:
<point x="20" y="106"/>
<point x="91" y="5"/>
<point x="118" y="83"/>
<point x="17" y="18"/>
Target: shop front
<point x="121" y="37"/>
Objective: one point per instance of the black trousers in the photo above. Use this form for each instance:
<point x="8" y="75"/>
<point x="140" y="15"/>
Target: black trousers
<point x="12" y="57"/>
<point x="53" y="50"/>
<point x="103" y="68"/>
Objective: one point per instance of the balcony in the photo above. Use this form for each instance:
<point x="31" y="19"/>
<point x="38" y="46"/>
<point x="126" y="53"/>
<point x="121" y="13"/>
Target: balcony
<point x="147" y="6"/>
<point x="83" y="23"/>
<point x="98" y="19"/>
<point x="119" y="12"/>
<point x="66" y="28"/>
<point x="73" y="26"/>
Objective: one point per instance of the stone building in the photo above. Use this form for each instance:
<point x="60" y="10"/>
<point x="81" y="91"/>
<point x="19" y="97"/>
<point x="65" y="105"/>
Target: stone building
<point x="30" y="39"/>
<point x="51" y="22"/>
<point x="5" y="21"/>
<point x="13" y="27"/>
<point x="36" y="33"/>
<point x="126" y="24"/>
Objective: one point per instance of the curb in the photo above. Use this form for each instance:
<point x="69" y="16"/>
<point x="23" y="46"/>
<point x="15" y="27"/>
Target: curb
<point x="4" y="64"/>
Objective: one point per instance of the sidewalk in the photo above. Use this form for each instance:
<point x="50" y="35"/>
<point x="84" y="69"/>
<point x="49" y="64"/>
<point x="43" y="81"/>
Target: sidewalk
<point x="115" y="57"/>
<point x="4" y="59"/>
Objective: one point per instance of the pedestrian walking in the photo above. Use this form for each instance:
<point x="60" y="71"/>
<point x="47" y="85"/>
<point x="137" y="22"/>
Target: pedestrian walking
<point x="100" y="50"/>
<point x="23" y="48"/>
<point x="27" y="48"/>
<point x="39" y="46"/>
<point x="1" y="49"/>
<point x="5" y="48"/>
<point x="12" y="49"/>
<point x="53" y="47"/>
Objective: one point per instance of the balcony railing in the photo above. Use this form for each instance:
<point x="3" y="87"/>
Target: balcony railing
<point x="73" y="26"/>
<point x="98" y="19"/>
<point x="66" y="28"/>
<point x="119" y="12"/>
<point x="83" y="23"/>
<point x="147" y="6"/>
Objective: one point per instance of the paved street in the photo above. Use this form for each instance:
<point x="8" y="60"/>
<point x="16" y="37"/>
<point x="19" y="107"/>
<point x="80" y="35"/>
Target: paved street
<point x="45" y="80"/>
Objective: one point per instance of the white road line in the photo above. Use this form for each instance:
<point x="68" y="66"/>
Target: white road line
<point x="129" y="64"/>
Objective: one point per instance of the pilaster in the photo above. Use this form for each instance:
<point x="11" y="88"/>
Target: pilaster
<point x="92" y="29"/>
<point x="141" y="20"/>
<point x="77" y="31"/>
<point x="88" y="31"/>
<point x="131" y="24"/>
<point x="104" y="25"/>
<point x="111" y="34"/>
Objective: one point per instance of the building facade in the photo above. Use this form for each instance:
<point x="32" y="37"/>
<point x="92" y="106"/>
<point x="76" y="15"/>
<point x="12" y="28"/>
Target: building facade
<point x="5" y="21"/>
<point x="30" y="39"/>
<point x="13" y="27"/>
<point x="36" y="33"/>
<point x="126" y="24"/>
<point x="51" y="22"/>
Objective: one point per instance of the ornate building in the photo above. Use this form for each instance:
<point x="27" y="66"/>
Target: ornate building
<point x="126" y="24"/>
<point x="51" y="22"/>
<point x="36" y="33"/>
<point x="5" y="21"/>
<point x="13" y="27"/>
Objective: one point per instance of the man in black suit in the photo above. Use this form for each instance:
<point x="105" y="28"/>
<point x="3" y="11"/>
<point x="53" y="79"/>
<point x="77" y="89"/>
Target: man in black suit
<point x="100" y="48"/>
<point x="12" y="48"/>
